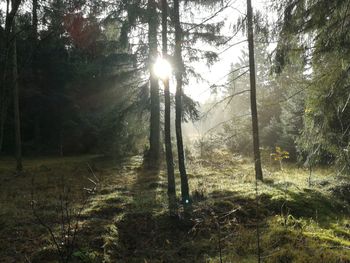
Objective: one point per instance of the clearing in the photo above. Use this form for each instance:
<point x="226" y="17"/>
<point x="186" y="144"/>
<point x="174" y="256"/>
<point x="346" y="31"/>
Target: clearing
<point x="118" y="213"/>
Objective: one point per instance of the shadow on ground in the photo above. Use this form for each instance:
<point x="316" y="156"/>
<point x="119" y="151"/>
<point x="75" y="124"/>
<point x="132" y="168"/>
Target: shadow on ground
<point x="127" y="221"/>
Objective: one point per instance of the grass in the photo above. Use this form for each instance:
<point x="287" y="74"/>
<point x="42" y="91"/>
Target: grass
<point x="126" y="219"/>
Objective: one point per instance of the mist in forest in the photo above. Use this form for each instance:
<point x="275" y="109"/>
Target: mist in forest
<point x="174" y="131"/>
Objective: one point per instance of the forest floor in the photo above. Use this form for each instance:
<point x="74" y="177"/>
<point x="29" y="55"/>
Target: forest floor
<point x="104" y="210"/>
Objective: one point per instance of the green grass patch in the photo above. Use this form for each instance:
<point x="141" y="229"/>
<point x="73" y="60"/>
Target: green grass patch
<point x="125" y="219"/>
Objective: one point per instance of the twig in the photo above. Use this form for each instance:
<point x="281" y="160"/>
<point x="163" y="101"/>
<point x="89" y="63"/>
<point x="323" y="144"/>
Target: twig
<point x="92" y="172"/>
<point x="341" y="247"/>
<point x="229" y="213"/>
<point x="210" y="17"/>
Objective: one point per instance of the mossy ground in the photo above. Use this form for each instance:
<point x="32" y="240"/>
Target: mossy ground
<point x="126" y="219"/>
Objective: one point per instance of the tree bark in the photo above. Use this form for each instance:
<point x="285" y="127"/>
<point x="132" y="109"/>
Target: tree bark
<point x="154" y="150"/>
<point x="17" y="121"/>
<point x="5" y="62"/>
<point x="34" y="71"/>
<point x="4" y="96"/>
<point x="35" y="24"/>
<point x="254" y="111"/>
<point x="3" y="113"/>
<point x="185" y="195"/>
<point x="167" y="118"/>
<point x="3" y="108"/>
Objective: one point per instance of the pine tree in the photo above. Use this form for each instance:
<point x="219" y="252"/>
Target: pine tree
<point x="167" y="117"/>
<point x="17" y="121"/>
<point x="154" y="86"/>
<point x="185" y="192"/>
<point x="256" y="144"/>
<point x="5" y="60"/>
<point x="319" y="29"/>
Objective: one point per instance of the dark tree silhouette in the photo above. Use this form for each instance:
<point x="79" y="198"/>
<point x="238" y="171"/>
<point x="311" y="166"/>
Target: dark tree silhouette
<point x="254" y="111"/>
<point x="154" y="86"/>
<point x="185" y="194"/>
<point x="17" y="121"/>
<point x="5" y="61"/>
<point x="167" y="118"/>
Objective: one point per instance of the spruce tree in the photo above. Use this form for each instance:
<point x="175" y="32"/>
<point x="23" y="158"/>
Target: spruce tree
<point x="185" y="192"/>
<point x="167" y="117"/>
<point x="154" y="86"/>
<point x="254" y="111"/>
<point x="15" y="87"/>
<point x="319" y="29"/>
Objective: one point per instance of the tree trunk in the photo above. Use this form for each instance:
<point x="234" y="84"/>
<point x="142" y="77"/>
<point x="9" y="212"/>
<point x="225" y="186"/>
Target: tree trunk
<point x="34" y="71"/>
<point x="35" y="24"/>
<point x="185" y="195"/>
<point x="3" y="109"/>
<point x="4" y="92"/>
<point x="5" y="60"/>
<point x="17" y="122"/>
<point x="256" y="144"/>
<point x="154" y="150"/>
<point x="167" y="119"/>
<point x="60" y="147"/>
<point x="3" y="113"/>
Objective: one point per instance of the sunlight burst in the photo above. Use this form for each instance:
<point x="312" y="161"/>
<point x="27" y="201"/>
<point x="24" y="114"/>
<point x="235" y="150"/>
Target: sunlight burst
<point x="162" y="68"/>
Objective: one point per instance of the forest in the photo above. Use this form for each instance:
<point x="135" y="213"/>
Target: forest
<point x="175" y="131"/>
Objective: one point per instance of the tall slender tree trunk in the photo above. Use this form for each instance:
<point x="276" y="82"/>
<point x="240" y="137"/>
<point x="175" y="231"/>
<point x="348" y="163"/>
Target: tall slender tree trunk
<point x="3" y="110"/>
<point x="185" y="193"/>
<point x="4" y="96"/>
<point x="167" y="118"/>
<point x="154" y="87"/>
<point x="256" y="144"/>
<point x="17" y="121"/>
<point x="34" y="23"/>
<point x="34" y="72"/>
<point x="6" y="61"/>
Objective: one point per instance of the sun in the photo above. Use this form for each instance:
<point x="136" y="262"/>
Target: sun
<point x="162" y="69"/>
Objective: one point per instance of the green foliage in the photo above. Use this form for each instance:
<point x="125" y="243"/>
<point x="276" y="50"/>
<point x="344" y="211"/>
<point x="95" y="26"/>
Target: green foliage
<point x="128" y="212"/>
<point x="315" y="30"/>
<point x="77" y="84"/>
<point x="85" y="256"/>
<point x="190" y="110"/>
<point x="275" y="128"/>
<point x="237" y="136"/>
<point x="279" y="154"/>
<point x="327" y="117"/>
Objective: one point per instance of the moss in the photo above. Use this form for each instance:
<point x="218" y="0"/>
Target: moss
<point x="328" y="238"/>
<point x="126" y="219"/>
<point x="223" y="206"/>
<point x="47" y="254"/>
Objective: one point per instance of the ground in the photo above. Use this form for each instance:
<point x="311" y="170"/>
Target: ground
<point x="95" y="209"/>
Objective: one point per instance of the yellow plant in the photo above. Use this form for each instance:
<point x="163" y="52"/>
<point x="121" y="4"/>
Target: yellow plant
<point x="279" y="155"/>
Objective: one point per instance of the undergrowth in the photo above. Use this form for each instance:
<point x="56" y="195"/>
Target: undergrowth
<point x="126" y="218"/>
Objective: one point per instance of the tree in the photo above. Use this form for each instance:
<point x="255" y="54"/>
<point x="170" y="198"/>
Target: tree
<point x="85" y="86"/>
<point x="185" y="195"/>
<point x="167" y="118"/>
<point x="256" y="144"/>
<point x="17" y="121"/>
<point x="319" y="29"/>
<point x="34" y="43"/>
<point x="154" y="86"/>
<point x="5" y="62"/>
